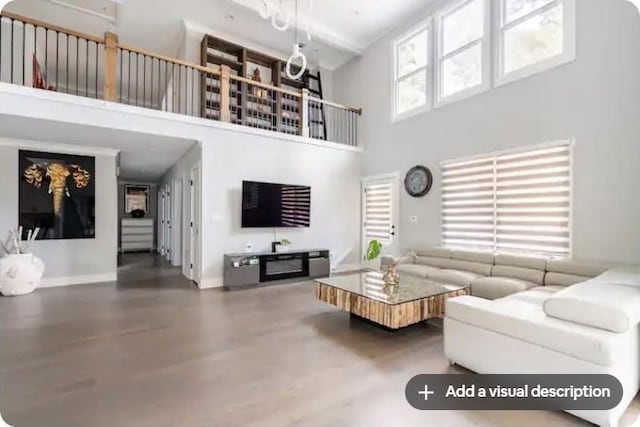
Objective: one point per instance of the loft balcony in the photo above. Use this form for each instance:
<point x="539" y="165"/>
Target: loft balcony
<point x="48" y="57"/>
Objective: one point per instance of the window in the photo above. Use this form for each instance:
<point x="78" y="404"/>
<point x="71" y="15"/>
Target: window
<point x="411" y="72"/>
<point x="534" y="35"/>
<point x="462" y="49"/>
<point x="517" y="202"/>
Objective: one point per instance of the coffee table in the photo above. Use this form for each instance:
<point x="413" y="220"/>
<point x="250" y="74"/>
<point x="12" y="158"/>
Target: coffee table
<point x="365" y="295"/>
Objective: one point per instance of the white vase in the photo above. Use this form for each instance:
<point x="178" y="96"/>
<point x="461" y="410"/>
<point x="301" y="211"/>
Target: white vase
<point x="20" y="274"/>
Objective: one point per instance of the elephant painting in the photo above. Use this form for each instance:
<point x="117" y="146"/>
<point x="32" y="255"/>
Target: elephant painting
<point x="57" y="194"/>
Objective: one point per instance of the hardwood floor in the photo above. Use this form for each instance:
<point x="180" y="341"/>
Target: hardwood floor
<point x="152" y="351"/>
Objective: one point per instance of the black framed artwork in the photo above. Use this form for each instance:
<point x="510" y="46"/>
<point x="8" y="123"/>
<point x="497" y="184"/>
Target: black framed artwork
<point x="57" y="194"/>
<point x="136" y="197"/>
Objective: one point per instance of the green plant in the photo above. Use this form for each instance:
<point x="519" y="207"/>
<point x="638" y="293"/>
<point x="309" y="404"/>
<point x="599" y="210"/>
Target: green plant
<point x="374" y="250"/>
<point x="285" y="242"/>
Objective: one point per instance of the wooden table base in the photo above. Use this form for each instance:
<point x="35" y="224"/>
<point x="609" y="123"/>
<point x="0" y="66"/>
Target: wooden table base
<point x="394" y="316"/>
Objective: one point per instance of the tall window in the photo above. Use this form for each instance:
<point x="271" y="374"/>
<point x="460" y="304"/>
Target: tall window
<point x="411" y="72"/>
<point x="462" y="49"/>
<point x="534" y="35"/>
<point x="517" y="202"/>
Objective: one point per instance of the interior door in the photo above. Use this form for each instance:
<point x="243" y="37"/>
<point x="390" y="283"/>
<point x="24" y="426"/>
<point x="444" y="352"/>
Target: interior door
<point x="167" y="222"/>
<point x="195" y="224"/>
<point x="187" y="262"/>
<point x="380" y="200"/>
<point x="161" y="235"/>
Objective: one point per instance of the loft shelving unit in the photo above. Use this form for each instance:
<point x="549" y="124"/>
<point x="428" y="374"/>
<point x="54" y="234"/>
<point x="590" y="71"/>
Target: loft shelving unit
<point x="251" y="105"/>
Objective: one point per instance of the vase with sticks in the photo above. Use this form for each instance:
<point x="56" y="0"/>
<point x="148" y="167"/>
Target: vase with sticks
<point x="20" y="270"/>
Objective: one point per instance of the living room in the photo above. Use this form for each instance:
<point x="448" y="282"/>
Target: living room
<point x="454" y="183"/>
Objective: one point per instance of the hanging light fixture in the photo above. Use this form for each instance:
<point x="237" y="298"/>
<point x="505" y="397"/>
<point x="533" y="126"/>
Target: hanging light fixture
<point x="280" y="20"/>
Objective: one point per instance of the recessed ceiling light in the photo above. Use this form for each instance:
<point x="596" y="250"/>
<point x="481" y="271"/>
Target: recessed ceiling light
<point x="355" y="12"/>
<point x="230" y="18"/>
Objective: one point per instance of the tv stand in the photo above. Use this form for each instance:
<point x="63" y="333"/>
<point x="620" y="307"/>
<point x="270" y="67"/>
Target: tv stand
<point x="245" y="269"/>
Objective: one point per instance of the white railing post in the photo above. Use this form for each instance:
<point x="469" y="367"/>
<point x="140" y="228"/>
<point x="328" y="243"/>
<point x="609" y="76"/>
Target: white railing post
<point x="304" y="113"/>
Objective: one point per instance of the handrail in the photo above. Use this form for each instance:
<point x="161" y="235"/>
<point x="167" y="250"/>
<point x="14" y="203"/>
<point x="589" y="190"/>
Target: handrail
<point x="334" y="104"/>
<point x="51" y="27"/>
<point x="265" y="86"/>
<point x="168" y="59"/>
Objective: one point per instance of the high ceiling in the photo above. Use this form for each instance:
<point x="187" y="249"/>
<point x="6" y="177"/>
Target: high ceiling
<point x="341" y="29"/>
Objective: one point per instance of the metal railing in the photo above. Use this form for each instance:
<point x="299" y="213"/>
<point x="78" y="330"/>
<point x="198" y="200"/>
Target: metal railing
<point x="44" y="56"/>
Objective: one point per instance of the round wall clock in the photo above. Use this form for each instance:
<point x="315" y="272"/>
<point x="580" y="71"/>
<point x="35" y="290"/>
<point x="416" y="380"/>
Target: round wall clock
<point x="418" y="181"/>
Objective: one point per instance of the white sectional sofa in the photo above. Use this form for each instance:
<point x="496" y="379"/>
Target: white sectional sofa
<point x="532" y="315"/>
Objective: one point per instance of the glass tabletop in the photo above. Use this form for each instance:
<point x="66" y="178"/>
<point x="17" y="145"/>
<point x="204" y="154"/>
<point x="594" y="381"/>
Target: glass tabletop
<point x="369" y="284"/>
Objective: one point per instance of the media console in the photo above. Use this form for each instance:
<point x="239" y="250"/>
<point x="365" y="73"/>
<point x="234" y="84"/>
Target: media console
<point x="242" y="269"/>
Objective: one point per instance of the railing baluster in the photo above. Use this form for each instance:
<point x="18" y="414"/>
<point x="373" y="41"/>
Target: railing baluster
<point x="24" y="51"/>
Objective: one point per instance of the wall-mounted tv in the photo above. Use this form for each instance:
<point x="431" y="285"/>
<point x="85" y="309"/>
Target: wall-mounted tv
<point x="275" y="205"/>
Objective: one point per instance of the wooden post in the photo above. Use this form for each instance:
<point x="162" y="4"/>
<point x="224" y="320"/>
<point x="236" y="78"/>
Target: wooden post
<point x="304" y="113"/>
<point x="111" y="59"/>
<point x="225" y="102"/>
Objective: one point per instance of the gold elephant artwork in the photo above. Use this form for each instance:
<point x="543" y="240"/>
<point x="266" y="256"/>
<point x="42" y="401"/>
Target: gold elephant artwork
<point x="57" y="174"/>
<point x="57" y="194"/>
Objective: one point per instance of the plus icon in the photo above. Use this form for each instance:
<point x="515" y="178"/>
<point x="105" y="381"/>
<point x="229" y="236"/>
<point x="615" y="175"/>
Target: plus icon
<point x="426" y="392"/>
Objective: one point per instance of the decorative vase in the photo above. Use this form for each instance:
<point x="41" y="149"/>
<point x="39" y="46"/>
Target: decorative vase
<point x="391" y="276"/>
<point x="20" y="274"/>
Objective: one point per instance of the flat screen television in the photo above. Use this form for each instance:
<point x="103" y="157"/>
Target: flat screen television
<point x="275" y="205"/>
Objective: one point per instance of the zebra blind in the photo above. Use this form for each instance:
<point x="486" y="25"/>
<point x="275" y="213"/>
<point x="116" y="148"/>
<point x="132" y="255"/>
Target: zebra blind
<point x="378" y="211"/>
<point x="515" y="202"/>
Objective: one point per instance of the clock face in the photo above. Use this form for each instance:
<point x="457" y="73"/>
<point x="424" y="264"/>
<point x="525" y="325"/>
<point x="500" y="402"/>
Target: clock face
<point x="418" y="181"/>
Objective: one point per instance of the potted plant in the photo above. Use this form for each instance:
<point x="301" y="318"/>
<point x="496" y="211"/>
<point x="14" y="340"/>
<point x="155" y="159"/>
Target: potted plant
<point x="281" y="246"/>
<point x="389" y="264"/>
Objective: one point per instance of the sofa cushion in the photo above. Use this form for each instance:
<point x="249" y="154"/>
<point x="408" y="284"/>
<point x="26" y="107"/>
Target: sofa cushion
<point x="561" y="279"/>
<point x="455" y="277"/>
<point x="524" y="261"/>
<point x="474" y="267"/>
<point x="416" y="270"/>
<point x="436" y="252"/>
<point x="598" y="303"/>
<point x="498" y="287"/>
<point x="483" y="257"/>
<point x="577" y="268"/>
<point x="432" y="261"/>
<point x="526" y="274"/>
<point x="523" y="318"/>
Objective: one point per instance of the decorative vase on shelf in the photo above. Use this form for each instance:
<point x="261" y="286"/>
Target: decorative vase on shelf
<point x="391" y="275"/>
<point x="20" y="274"/>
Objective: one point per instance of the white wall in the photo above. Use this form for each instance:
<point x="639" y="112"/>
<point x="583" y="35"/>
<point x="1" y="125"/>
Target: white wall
<point x="228" y="158"/>
<point x="66" y="261"/>
<point x="593" y="100"/>
<point x="180" y="175"/>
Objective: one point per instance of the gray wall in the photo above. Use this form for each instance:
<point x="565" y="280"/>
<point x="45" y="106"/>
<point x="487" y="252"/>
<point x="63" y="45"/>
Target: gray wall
<point x="66" y="261"/>
<point x="593" y="100"/>
<point x="153" y="206"/>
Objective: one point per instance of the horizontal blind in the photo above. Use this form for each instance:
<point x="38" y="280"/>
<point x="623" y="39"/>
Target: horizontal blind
<point x="468" y="203"/>
<point x="533" y="201"/>
<point x="515" y="202"/>
<point x="378" y="217"/>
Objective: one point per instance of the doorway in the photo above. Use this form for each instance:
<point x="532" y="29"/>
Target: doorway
<point x="380" y="208"/>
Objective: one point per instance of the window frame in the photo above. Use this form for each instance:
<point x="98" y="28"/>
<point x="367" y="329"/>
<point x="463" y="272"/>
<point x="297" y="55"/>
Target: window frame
<point x="568" y="49"/>
<point x="426" y="27"/>
<point x="439" y="57"/>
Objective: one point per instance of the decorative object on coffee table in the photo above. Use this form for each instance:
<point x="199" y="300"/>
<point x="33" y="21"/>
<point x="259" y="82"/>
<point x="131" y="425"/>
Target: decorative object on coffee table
<point x="418" y="181"/>
<point x="365" y="295"/>
<point x="20" y="271"/>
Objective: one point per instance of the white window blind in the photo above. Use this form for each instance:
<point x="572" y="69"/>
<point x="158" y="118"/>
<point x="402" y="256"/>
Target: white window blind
<point x="378" y="211"/>
<point x="516" y="202"/>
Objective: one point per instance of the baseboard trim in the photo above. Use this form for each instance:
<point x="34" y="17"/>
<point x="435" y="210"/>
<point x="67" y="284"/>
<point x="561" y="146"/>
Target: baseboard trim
<point x="212" y="282"/>
<point x="54" y="282"/>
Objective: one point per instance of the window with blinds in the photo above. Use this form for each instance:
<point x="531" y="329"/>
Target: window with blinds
<point x="513" y="202"/>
